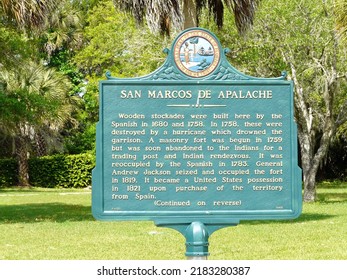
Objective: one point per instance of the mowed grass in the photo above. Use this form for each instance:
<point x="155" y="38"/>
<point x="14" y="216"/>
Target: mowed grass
<point x="55" y="224"/>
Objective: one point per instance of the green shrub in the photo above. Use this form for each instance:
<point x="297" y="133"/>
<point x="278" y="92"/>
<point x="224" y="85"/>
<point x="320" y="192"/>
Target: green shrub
<point x="62" y="171"/>
<point x="8" y="172"/>
<point x="67" y="171"/>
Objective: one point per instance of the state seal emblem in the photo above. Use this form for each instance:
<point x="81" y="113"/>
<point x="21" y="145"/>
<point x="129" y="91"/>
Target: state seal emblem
<point x="196" y="53"/>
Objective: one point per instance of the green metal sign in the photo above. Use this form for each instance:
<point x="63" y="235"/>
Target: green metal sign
<point x="196" y="142"/>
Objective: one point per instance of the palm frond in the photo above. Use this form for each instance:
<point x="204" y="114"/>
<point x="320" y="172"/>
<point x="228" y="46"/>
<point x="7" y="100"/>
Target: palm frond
<point x="244" y="11"/>
<point x="28" y="13"/>
<point x="159" y="14"/>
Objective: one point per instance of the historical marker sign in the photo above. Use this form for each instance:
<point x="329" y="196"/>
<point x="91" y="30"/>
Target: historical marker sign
<point x="196" y="141"/>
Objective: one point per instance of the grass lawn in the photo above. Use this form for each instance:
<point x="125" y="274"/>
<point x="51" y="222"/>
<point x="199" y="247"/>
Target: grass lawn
<point x="54" y="224"/>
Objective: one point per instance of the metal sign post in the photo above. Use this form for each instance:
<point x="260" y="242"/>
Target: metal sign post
<point x="196" y="145"/>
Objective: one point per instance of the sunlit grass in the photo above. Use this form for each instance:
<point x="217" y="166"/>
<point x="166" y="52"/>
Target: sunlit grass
<point x="57" y="224"/>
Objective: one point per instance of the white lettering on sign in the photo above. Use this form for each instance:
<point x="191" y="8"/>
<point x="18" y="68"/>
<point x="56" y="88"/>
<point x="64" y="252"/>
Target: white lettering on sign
<point x="201" y="93"/>
<point x="195" y="153"/>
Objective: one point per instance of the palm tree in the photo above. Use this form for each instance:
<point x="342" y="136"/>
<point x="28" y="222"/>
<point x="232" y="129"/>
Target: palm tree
<point x="194" y="41"/>
<point x="63" y="28"/>
<point x="182" y="14"/>
<point x="35" y="101"/>
<point x="26" y="13"/>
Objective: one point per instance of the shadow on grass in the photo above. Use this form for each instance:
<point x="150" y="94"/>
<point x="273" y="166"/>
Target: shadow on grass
<point x="60" y="212"/>
<point x="44" y="212"/>
<point x="332" y="197"/>
<point x="304" y="217"/>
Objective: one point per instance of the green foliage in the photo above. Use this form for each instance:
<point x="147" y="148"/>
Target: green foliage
<point x="62" y="171"/>
<point x="81" y="141"/>
<point x="63" y="29"/>
<point x="37" y="102"/>
<point x="62" y="61"/>
<point x="20" y="105"/>
<point x="114" y="43"/>
<point x="14" y="46"/>
<point x="67" y="171"/>
<point x="297" y="35"/>
<point x="81" y="138"/>
<point x="84" y="6"/>
<point x="38" y="92"/>
<point x="340" y="10"/>
<point x="8" y="172"/>
<point x="251" y="53"/>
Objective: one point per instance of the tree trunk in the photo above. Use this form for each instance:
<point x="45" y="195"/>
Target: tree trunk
<point x="308" y="169"/>
<point x="23" y="164"/>
<point x="41" y="148"/>
<point x="310" y="172"/>
<point x="306" y="136"/>
<point x="190" y="14"/>
<point x="311" y="157"/>
<point x="310" y="193"/>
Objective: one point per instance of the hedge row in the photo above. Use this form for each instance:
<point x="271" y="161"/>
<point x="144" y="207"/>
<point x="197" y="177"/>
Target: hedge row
<point x="68" y="171"/>
<point x="8" y="172"/>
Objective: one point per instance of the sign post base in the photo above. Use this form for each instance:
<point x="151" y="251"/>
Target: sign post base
<point x="197" y="241"/>
<point x="197" y="234"/>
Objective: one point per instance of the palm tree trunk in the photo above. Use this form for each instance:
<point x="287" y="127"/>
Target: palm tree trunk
<point x="23" y="164"/>
<point x="41" y="148"/>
